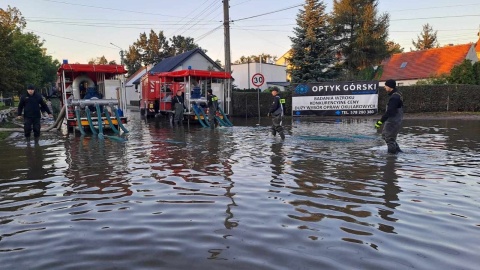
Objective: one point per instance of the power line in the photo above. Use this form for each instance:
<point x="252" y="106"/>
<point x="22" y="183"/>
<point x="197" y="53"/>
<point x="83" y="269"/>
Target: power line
<point x="116" y="9"/>
<point x="191" y="14"/>
<point x="208" y="33"/>
<point x="437" y="7"/>
<point x="76" y="40"/>
<point x="212" y="6"/>
<point x="268" y="13"/>
<point x="439" y="17"/>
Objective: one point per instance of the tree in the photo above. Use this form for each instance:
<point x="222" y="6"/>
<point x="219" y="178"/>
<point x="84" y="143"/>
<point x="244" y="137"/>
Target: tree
<point x="476" y="70"/>
<point x="265" y="58"/>
<point x="393" y="48"/>
<point x="182" y="44"/>
<point x="23" y="59"/>
<point x="152" y="49"/>
<point x="463" y="73"/>
<point x="313" y="54"/>
<point x="362" y="34"/>
<point x="101" y="61"/>
<point x="427" y="39"/>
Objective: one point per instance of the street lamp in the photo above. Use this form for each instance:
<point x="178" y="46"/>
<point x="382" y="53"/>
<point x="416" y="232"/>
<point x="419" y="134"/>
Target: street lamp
<point x="121" y="53"/>
<point x="123" y="95"/>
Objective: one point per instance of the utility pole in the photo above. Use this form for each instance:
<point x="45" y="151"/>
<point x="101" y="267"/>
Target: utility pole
<point x="228" y="69"/>
<point x="123" y="93"/>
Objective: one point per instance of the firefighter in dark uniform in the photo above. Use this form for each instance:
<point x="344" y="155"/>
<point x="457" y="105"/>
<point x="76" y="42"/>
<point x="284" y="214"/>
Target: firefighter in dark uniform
<point x="276" y="112"/>
<point x="178" y="105"/>
<point x="392" y="119"/>
<point x="30" y="105"/>
<point x="212" y="103"/>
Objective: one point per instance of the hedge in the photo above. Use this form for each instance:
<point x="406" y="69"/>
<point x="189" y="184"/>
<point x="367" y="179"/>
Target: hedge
<point x="417" y="98"/>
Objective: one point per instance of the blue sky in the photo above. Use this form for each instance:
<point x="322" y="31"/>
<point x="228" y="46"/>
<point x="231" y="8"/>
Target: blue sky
<point x="83" y="30"/>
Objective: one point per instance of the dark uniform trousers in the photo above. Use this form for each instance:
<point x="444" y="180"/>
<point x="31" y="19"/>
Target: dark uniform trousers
<point x="27" y="126"/>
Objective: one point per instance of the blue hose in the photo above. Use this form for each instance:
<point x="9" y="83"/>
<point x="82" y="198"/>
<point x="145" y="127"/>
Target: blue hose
<point x="195" y="110"/>
<point x="79" y="121"/>
<point x="120" y="122"/>
<point x="221" y="122"/>
<point x="200" y="110"/>
<point x="89" y="118"/>
<point x="225" y="118"/>
<point x="100" y="122"/>
<point x="109" y="119"/>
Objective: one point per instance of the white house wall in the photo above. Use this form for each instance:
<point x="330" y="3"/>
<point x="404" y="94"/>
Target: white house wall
<point x="472" y="55"/>
<point x="271" y="72"/>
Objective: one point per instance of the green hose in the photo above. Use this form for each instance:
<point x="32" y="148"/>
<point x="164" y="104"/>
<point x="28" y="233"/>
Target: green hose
<point x="109" y="119"/>
<point x="89" y="118"/>
<point x="100" y="122"/>
<point x="79" y="121"/>
<point x="120" y="122"/>
<point x="225" y="118"/>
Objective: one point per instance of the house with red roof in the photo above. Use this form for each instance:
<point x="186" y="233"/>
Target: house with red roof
<point x="408" y="68"/>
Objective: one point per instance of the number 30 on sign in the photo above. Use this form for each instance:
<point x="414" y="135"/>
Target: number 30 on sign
<point x="258" y="79"/>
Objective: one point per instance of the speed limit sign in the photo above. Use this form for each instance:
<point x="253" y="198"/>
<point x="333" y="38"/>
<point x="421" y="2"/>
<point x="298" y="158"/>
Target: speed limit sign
<point x="258" y="79"/>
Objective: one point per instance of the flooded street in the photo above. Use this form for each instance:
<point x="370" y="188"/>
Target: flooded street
<point x="328" y="197"/>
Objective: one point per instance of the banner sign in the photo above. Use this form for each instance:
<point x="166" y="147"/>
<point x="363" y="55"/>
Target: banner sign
<point x="336" y="98"/>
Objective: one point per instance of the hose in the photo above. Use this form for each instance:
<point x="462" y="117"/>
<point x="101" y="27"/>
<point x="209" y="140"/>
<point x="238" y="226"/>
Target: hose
<point x="109" y="119"/>
<point x="100" y="122"/>
<point x="89" y="118"/>
<point x="120" y="122"/>
<point x="59" y="119"/>
<point x="79" y="121"/>
<point x="225" y="117"/>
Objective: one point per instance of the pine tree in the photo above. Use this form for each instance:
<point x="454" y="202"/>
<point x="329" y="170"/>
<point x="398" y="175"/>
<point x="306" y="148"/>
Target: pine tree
<point x="362" y="33"/>
<point x="313" y="54"/>
<point x="427" y="39"/>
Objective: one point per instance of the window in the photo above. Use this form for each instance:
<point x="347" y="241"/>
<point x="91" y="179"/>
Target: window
<point x="403" y="65"/>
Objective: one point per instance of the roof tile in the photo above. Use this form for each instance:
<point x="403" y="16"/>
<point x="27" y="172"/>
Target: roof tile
<point x="424" y="64"/>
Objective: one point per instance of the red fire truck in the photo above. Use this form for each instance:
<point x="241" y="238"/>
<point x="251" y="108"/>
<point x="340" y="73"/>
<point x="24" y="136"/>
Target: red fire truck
<point x="158" y="89"/>
<point x="106" y="80"/>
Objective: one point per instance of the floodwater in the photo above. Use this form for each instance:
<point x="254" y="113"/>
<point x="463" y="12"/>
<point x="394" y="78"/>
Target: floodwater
<point x="328" y="197"/>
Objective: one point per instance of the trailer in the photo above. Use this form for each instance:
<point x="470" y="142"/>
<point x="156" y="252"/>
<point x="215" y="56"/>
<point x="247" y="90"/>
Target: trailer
<point x="93" y="96"/>
<point x="194" y="84"/>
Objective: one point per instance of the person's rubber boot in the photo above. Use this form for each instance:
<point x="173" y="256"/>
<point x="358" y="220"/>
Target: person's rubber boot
<point x="36" y="139"/>
<point x="399" y="150"/>
<point x="274" y="132"/>
<point x="282" y="135"/>
<point x="27" y="139"/>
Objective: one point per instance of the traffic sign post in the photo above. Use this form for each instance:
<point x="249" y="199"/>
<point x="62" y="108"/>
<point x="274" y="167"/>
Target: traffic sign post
<point x="258" y="79"/>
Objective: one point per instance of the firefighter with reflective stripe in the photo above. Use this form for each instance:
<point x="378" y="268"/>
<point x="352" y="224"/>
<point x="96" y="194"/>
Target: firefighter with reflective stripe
<point x="276" y="112"/>
<point x="392" y="119"/>
<point x="212" y="102"/>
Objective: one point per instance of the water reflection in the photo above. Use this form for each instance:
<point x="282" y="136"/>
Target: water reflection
<point x="391" y="190"/>
<point x="237" y="198"/>
<point x="94" y="168"/>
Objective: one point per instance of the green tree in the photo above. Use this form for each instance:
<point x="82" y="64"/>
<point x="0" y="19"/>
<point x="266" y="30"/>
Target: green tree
<point x="313" y="55"/>
<point x="181" y="44"/>
<point x="23" y="59"/>
<point x="265" y="58"/>
<point x="393" y="48"/>
<point x="427" y="39"/>
<point x="362" y="34"/>
<point x="152" y="49"/>
<point x="101" y="61"/>
<point x="476" y="70"/>
<point x="463" y="73"/>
